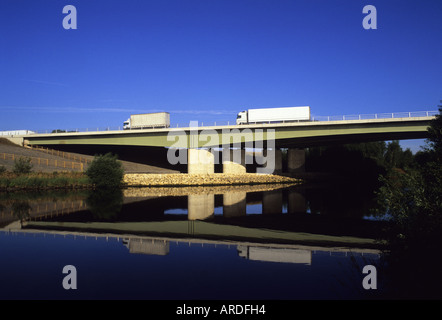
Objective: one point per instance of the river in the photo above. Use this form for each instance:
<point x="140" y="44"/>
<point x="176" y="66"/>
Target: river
<point x="273" y="242"/>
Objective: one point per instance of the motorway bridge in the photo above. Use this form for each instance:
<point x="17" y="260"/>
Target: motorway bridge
<point x="193" y="145"/>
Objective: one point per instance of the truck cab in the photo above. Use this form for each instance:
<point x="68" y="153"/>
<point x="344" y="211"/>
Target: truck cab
<point x="126" y="124"/>
<point x="241" y="118"/>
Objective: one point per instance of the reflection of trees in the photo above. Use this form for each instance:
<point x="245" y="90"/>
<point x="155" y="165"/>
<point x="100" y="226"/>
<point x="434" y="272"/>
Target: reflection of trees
<point x="414" y="202"/>
<point x="21" y="209"/>
<point x="105" y="203"/>
<point x="352" y="282"/>
<point x="341" y="199"/>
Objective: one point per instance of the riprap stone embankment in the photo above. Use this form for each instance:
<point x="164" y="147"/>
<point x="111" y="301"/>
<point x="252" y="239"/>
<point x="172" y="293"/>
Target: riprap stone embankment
<point x="181" y="179"/>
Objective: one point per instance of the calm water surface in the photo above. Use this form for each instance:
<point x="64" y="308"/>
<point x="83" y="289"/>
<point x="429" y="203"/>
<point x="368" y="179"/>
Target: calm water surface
<point x="261" y="242"/>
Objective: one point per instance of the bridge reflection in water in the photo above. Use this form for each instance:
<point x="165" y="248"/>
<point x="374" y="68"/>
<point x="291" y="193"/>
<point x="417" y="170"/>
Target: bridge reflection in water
<point x="281" y="230"/>
<point x="274" y="253"/>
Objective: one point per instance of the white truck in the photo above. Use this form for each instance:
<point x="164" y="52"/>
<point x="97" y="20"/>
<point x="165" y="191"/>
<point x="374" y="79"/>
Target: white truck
<point x="267" y="115"/>
<point x="16" y="133"/>
<point x="147" y="120"/>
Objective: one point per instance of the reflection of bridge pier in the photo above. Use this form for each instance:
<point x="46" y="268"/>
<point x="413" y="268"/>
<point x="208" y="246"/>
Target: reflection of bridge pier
<point x="234" y="204"/>
<point x="200" y="206"/>
<point x="296" y="202"/>
<point x="272" y="202"/>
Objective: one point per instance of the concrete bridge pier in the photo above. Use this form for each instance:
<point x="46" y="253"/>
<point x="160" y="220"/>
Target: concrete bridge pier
<point x="272" y="202"/>
<point x="278" y="161"/>
<point x="234" y="161"/>
<point x="200" y="161"/>
<point x="234" y="204"/>
<point x="200" y="206"/>
<point x="296" y="160"/>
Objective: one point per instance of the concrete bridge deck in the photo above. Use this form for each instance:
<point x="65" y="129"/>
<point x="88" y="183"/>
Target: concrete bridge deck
<point x="289" y="134"/>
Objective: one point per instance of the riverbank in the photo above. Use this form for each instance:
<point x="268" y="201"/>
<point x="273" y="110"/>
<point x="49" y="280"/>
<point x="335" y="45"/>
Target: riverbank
<point x="215" y="179"/>
<point x="71" y="180"/>
<point x="43" y="181"/>
<point x="49" y="160"/>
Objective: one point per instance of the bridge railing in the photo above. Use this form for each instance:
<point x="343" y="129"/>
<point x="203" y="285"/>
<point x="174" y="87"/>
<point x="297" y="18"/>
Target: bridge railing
<point x="385" y="115"/>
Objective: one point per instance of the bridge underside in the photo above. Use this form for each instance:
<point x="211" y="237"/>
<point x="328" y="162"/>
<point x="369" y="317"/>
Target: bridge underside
<point x="320" y="141"/>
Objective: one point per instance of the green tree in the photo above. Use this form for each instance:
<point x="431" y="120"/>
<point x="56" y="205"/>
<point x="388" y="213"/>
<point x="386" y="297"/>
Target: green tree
<point x="434" y="141"/>
<point x="106" y="171"/>
<point x="413" y="198"/>
<point x="22" y="165"/>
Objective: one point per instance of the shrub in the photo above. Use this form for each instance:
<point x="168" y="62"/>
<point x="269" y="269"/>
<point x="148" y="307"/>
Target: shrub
<point x="22" y="165"/>
<point x="2" y="169"/>
<point x="106" y="171"/>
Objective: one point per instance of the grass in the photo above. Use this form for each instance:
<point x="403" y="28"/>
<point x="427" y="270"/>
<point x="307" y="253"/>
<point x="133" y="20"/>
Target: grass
<point x="43" y="181"/>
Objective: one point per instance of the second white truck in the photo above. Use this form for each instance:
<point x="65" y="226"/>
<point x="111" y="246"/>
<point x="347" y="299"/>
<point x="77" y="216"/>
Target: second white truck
<point x="148" y="120"/>
<point x="267" y="115"/>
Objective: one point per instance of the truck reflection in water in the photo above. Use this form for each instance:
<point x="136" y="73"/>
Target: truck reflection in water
<point x="156" y="247"/>
<point x="276" y="254"/>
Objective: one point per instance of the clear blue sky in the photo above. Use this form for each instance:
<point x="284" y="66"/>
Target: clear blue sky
<point x="207" y="60"/>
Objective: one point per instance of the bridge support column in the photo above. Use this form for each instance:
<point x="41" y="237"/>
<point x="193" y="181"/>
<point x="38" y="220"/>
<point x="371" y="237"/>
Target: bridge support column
<point x="234" y="161"/>
<point x="234" y="204"/>
<point x="200" y="161"/>
<point x="200" y="206"/>
<point x="296" y="160"/>
<point x="278" y="161"/>
<point x="272" y="202"/>
<point x="271" y="160"/>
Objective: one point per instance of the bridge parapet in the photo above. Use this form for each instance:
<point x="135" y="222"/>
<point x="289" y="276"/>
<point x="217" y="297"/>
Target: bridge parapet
<point x="413" y="115"/>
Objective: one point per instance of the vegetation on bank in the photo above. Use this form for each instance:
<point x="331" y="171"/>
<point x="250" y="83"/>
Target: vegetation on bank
<point x="10" y="181"/>
<point x="413" y="198"/>
<point x="360" y="163"/>
<point x="104" y="172"/>
<point x="407" y="190"/>
<point x="413" y="194"/>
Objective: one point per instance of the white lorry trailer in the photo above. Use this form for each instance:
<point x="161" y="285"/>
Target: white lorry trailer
<point x="16" y="133"/>
<point x="267" y="115"/>
<point x="148" y="120"/>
